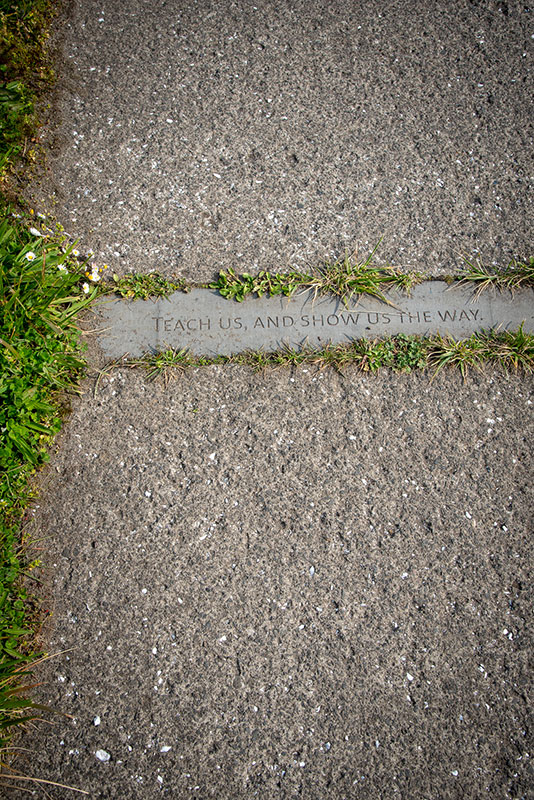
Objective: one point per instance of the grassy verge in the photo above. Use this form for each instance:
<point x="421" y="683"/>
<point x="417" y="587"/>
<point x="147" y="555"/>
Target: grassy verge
<point x="41" y="291"/>
<point x="25" y="71"/>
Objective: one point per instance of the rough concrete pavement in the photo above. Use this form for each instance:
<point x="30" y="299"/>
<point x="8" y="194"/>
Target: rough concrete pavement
<point x="292" y="584"/>
<point x="305" y="585"/>
<point x="205" y="135"/>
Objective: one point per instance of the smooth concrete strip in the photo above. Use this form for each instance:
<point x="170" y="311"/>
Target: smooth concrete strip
<point x="205" y="323"/>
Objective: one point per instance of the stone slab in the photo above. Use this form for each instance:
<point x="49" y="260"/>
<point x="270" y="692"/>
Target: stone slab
<point x="204" y="323"/>
<point x="190" y="137"/>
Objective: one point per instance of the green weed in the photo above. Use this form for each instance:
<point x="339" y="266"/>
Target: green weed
<point x="344" y="278"/>
<point x="25" y="70"/>
<point x="138" y="286"/>
<point x="401" y="353"/>
<point x="348" y="277"/>
<point x="510" y="350"/>
<point x="235" y="287"/>
<point x="515" y="275"/>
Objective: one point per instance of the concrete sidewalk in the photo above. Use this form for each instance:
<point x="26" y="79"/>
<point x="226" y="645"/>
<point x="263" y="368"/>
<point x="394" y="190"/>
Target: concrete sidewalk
<point x="203" y="135"/>
<point x="305" y="585"/>
<point x="293" y="584"/>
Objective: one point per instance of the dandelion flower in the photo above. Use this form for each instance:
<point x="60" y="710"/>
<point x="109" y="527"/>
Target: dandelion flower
<point x="86" y="288"/>
<point x="30" y="256"/>
<point x="35" y="232"/>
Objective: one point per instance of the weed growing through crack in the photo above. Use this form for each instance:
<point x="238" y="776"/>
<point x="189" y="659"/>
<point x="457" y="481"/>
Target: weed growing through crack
<point x="139" y="286"/>
<point x="507" y="350"/>
<point x="344" y="278"/>
<point x="516" y="274"/>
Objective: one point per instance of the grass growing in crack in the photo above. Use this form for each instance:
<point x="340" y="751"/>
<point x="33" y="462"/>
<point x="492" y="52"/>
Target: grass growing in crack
<point x="344" y="278"/>
<point x="140" y="287"/>
<point x="348" y="277"/>
<point x="516" y="274"/>
<point x="507" y="350"/>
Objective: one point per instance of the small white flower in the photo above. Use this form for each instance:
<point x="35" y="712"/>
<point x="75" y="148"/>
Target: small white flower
<point x="35" y="232"/>
<point x="90" y="253"/>
<point x="75" y="252"/>
<point x="14" y="214"/>
<point x="30" y="256"/>
<point x="86" y="288"/>
<point x="63" y="268"/>
<point x="95" y="277"/>
<point x="41" y="216"/>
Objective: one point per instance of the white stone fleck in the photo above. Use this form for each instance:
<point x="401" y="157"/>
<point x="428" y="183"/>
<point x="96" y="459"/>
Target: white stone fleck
<point x="102" y="755"/>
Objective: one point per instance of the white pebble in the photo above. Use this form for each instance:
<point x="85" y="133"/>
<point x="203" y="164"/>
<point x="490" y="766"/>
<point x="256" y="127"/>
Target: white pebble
<point x="96" y="721"/>
<point x="165" y="748"/>
<point x="102" y="755"/>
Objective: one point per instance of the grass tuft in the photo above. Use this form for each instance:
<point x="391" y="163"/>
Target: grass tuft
<point x="515" y="275"/>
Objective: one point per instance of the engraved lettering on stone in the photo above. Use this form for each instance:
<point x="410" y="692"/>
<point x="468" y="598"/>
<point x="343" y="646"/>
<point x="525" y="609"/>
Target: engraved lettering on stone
<point x="203" y="322"/>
